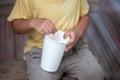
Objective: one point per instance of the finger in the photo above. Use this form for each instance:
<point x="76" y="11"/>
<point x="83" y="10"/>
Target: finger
<point x="46" y="29"/>
<point x="70" y="43"/>
<point x="49" y="29"/>
<point x="68" y="48"/>
<point x="72" y="40"/>
<point x="52" y="27"/>
<point x="66" y="34"/>
<point x="42" y="32"/>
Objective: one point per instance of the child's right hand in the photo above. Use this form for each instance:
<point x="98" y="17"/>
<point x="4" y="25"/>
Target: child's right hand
<point x="43" y="26"/>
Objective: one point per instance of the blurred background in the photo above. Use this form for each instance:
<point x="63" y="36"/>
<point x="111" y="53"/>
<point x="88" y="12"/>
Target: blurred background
<point x="103" y="38"/>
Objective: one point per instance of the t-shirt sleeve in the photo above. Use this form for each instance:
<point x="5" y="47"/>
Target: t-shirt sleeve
<point x="21" y="10"/>
<point x="84" y="7"/>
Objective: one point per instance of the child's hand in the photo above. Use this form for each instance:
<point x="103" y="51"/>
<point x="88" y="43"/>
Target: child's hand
<point x="43" y="26"/>
<point x="74" y="37"/>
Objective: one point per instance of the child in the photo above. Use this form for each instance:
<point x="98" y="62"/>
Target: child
<point x="41" y="17"/>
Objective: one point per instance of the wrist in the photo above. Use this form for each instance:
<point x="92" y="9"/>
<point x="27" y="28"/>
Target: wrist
<point x="31" y="23"/>
<point x="78" y="32"/>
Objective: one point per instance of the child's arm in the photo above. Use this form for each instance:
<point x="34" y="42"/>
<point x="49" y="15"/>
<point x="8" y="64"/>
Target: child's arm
<point x="23" y="26"/>
<point x="77" y="32"/>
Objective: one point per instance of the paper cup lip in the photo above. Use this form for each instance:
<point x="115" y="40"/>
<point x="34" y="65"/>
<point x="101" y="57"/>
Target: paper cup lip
<point x="57" y="42"/>
<point x="64" y="41"/>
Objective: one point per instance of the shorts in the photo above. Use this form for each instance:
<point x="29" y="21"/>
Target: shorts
<point x="79" y="64"/>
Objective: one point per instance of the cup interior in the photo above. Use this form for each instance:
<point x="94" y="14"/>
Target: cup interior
<point x="58" y="37"/>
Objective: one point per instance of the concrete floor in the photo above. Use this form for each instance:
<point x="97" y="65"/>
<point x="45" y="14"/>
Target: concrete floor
<point x="14" y="70"/>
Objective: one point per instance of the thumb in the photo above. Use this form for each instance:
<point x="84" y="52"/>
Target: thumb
<point x="66" y="34"/>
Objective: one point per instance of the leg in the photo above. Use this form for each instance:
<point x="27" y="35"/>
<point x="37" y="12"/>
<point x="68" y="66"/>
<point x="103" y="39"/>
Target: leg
<point x="34" y="70"/>
<point x="82" y="65"/>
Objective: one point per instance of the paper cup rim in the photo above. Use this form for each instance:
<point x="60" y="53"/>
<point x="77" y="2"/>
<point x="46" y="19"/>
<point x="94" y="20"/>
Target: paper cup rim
<point x="57" y="42"/>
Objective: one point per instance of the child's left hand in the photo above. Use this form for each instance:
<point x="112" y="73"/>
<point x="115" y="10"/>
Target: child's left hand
<point x="74" y="37"/>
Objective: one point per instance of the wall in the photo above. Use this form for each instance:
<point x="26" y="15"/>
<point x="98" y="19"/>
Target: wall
<point x="104" y="39"/>
<point x="11" y="45"/>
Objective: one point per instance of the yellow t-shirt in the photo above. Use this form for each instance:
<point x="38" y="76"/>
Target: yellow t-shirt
<point x="63" y="13"/>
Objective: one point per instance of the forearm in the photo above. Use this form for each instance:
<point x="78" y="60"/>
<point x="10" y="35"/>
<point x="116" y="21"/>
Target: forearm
<point x="82" y="25"/>
<point x="21" y="26"/>
<point x="41" y="25"/>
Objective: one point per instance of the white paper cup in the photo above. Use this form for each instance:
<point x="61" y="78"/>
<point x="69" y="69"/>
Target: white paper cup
<point x="53" y="51"/>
